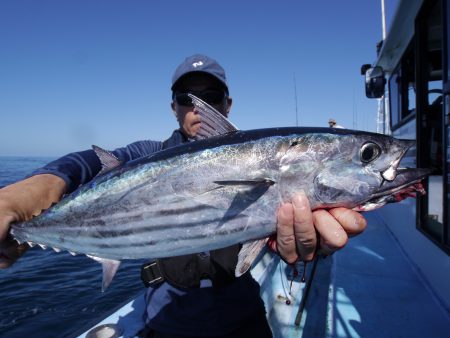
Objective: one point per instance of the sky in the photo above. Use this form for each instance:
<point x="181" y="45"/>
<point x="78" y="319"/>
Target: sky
<point x="82" y="72"/>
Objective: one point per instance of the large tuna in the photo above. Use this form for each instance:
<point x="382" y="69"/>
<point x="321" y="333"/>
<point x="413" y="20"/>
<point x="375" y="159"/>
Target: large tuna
<point x="219" y="191"/>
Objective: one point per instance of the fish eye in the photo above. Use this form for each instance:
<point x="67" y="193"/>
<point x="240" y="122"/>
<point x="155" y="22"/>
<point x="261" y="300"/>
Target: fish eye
<point x="369" y="152"/>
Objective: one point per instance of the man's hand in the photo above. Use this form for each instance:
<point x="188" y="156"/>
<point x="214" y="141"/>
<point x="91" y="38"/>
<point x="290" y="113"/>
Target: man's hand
<point x="10" y="251"/>
<point x="301" y="232"/>
<point x="20" y="202"/>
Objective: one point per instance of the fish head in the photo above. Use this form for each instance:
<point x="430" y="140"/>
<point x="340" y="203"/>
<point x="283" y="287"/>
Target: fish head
<point x="356" y="170"/>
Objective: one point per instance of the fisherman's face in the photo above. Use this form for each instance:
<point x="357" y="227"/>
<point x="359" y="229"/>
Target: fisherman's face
<point x="200" y="85"/>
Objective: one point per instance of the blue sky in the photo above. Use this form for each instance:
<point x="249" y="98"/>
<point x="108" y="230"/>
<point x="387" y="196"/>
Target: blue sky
<point x="77" y="73"/>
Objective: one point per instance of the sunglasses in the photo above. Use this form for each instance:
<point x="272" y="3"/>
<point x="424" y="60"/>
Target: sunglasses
<point x="212" y="97"/>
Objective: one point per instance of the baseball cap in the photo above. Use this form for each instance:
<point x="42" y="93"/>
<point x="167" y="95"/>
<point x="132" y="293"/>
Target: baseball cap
<point x="200" y="63"/>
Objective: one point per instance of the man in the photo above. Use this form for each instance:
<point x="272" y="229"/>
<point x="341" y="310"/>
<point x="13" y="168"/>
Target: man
<point x="198" y="295"/>
<point x="333" y="124"/>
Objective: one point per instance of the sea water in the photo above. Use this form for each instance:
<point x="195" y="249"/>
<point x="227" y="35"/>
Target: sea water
<point x="49" y="294"/>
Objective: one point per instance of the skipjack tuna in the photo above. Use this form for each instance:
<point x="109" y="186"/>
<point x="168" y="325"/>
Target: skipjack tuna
<point x="220" y="191"/>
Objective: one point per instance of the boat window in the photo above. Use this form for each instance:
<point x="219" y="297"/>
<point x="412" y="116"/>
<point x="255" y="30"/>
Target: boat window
<point x="410" y="81"/>
<point x="402" y="90"/>
<point x="394" y="98"/>
<point x="430" y="119"/>
<point x="446" y="131"/>
<point x="433" y="76"/>
<point x="447" y="53"/>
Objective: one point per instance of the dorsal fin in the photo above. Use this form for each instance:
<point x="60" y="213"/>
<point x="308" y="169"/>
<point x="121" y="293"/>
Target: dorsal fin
<point x="108" y="160"/>
<point x="213" y="123"/>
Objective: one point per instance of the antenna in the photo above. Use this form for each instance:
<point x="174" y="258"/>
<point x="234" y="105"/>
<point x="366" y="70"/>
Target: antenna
<point x="383" y="20"/>
<point x="382" y="104"/>
<point x="355" y="112"/>
<point x="295" y="96"/>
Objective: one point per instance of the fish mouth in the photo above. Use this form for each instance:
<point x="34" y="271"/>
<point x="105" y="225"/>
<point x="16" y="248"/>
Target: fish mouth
<point x="404" y="178"/>
<point x="407" y="183"/>
<point x="391" y="173"/>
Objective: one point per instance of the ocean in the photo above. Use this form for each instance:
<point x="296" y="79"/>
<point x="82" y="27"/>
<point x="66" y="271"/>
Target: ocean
<point x="49" y="294"/>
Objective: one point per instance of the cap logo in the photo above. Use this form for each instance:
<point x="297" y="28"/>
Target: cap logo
<point x="197" y="64"/>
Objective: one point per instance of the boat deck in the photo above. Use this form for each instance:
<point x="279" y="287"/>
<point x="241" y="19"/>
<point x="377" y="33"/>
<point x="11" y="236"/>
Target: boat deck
<point x="368" y="289"/>
<point x="371" y="289"/>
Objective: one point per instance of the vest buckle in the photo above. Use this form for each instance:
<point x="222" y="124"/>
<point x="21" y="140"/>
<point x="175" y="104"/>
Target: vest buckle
<point x="151" y="274"/>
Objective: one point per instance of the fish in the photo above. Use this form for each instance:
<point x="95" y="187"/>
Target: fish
<point x="220" y="189"/>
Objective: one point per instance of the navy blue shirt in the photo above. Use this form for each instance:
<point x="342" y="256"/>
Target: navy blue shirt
<point x="199" y="311"/>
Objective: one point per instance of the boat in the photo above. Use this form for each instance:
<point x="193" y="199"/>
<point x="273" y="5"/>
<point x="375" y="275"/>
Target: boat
<point x="410" y="79"/>
<point x="394" y="279"/>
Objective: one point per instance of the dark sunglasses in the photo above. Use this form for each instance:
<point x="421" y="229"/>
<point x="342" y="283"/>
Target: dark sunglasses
<point x="212" y="97"/>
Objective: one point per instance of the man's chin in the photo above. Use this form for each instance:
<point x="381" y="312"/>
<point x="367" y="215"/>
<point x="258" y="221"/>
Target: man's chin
<point x="194" y="129"/>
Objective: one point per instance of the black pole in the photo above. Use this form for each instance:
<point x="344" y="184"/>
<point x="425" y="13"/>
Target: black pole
<point x="302" y="305"/>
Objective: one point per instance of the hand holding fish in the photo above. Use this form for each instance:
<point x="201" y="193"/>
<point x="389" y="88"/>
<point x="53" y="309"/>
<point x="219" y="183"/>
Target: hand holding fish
<point x="20" y="202"/>
<point x="297" y="229"/>
<point x="10" y="250"/>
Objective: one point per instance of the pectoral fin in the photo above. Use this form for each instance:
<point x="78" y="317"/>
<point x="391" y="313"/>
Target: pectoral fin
<point x="251" y="191"/>
<point x="265" y="182"/>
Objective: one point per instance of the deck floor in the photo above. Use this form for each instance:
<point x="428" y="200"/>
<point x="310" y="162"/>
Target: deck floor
<point x="371" y="289"/>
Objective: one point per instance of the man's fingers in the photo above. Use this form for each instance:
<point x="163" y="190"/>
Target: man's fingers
<point x="5" y="221"/>
<point x="332" y="235"/>
<point x="10" y="251"/>
<point x="353" y="222"/>
<point x="298" y="229"/>
<point x="285" y="233"/>
<point x="305" y="233"/>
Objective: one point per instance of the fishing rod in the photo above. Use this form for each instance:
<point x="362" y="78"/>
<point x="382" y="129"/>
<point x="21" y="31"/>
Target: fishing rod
<point x="302" y="305"/>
